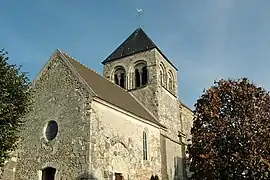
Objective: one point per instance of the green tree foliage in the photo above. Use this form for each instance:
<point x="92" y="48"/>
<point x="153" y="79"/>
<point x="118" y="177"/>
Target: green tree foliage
<point x="231" y="132"/>
<point x="15" y="99"/>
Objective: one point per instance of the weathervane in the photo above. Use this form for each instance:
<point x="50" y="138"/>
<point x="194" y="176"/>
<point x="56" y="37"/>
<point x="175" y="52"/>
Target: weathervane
<point x="139" y="13"/>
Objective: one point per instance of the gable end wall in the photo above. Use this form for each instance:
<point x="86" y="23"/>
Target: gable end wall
<point x="61" y="97"/>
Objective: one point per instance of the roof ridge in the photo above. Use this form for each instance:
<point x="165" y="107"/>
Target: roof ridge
<point x="82" y="64"/>
<point x="93" y="71"/>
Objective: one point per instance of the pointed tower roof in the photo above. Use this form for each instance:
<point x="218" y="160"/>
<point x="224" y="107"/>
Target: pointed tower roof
<point x="137" y="42"/>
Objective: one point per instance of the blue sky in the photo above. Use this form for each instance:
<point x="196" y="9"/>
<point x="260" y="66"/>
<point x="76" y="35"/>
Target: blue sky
<point x="205" y="39"/>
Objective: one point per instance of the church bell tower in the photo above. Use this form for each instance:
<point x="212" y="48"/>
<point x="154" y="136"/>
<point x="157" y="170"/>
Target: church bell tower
<point x="139" y="66"/>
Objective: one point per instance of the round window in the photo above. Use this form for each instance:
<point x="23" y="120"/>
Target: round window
<point x="51" y="130"/>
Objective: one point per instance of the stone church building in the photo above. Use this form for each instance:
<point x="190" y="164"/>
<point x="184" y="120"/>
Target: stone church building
<point x="128" y="124"/>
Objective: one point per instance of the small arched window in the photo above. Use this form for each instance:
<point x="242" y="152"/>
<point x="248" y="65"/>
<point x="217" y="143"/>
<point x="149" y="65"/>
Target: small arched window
<point x="141" y="74"/>
<point x="161" y="77"/>
<point x="119" y="76"/>
<point x="170" y="81"/>
<point x="145" y="148"/>
<point x="162" y="74"/>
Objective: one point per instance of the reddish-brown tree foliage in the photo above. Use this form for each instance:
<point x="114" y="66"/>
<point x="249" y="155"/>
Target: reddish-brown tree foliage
<point x="231" y="132"/>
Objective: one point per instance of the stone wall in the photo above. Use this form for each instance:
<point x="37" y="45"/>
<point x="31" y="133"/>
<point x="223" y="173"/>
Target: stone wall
<point x="187" y="122"/>
<point x="169" y="114"/>
<point x="117" y="145"/>
<point x="58" y="96"/>
<point x="163" y="149"/>
<point x="174" y="160"/>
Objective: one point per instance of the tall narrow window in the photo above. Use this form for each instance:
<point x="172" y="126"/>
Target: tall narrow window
<point x="137" y="78"/>
<point x="119" y="76"/>
<point x="161" y="78"/>
<point x="122" y="80"/>
<point x="48" y="173"/>
<point x="116" y="79"/>
<point x="170" y="81"/>
<point x="145" y="148"/>
<point x="144" y="76"/>
<point x="141" y="74"/>
<point x="162" y="74"/>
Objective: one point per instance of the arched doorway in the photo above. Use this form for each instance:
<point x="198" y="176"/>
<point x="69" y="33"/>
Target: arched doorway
<point x="48" y="173"/>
